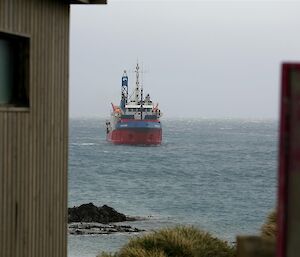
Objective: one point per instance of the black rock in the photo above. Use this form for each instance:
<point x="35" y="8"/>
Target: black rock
<point x="86" y="228"/>
<point x="91" y="213"/>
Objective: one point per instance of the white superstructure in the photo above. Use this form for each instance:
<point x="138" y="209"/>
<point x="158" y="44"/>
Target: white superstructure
<point x="138" y="106"/>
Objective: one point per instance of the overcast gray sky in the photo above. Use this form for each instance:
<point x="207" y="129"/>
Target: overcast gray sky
<point x="210" y="59"/>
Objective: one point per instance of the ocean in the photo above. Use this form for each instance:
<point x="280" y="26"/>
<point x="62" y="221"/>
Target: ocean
<point x="217" y="174"/>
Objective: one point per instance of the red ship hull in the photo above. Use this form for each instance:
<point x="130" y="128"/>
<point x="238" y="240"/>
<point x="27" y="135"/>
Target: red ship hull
<point x="135" y="136"/>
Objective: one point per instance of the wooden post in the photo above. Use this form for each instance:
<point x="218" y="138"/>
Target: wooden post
<point x="288" y="243"/>
<point x="255" y="246"/>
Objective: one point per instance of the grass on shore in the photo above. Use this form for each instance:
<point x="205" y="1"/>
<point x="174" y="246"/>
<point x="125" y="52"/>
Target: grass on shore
<point x="176" y="242"/>
<point x="269" y="228"/>
<point x="187" y="242"/>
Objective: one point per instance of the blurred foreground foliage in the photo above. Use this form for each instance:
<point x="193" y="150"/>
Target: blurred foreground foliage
<point x="187" y="242"/>
<point x="175" y="242"/>
<point x="269" y="228"/>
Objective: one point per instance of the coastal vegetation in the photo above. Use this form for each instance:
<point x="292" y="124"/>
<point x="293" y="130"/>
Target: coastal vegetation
<point x="175" y="242"/>
<point x="180" y="241"/>
<point x="269" y="228"/>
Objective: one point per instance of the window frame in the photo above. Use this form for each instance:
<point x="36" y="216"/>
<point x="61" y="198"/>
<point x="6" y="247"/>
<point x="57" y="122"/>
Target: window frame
<point x="22" y="102"/>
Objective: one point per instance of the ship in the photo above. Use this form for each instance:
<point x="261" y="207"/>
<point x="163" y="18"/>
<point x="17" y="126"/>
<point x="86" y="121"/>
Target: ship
<point x="136" y="121"/>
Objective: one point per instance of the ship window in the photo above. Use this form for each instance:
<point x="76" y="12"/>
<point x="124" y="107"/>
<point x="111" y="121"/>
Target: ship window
<point x="14" y="70"/>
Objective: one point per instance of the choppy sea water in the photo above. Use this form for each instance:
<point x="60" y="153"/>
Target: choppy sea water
<point x="219" y="175"/>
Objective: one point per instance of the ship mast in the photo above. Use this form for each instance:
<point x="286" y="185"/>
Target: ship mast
<point x="142" y="102"/>
<point x="137" y="84"/>
<point x="138" y="90"/>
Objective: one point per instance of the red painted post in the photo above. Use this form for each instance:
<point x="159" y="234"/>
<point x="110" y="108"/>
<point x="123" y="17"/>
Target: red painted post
<point x="289" y="163"/>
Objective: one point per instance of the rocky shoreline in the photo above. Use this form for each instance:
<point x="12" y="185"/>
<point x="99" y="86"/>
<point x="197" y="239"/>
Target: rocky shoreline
<point x="88" y="228"/>
<point x="88" y="219"/>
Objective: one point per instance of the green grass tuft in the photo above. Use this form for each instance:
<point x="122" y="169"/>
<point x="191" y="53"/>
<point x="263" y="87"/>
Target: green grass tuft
<point x="176" y="242"/>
